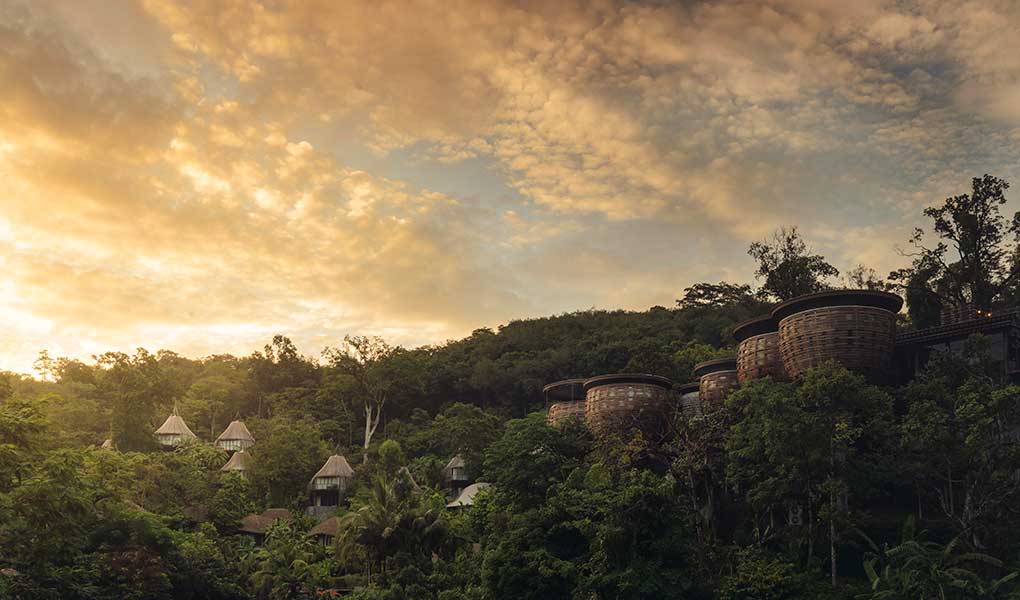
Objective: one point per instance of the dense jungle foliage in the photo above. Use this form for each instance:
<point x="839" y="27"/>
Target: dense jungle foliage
<point x="826" y="488"/>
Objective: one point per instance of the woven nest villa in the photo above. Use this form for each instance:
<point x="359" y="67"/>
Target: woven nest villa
<point x="855" y="328"/>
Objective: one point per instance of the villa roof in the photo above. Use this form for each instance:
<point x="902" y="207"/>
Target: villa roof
<point x="568" y="389"/>
<point x="330" y="527"/>
<point x="873" y="298"/>
<point x="467" y="495"/>
<point x="686" y="388"/>
<point x="260" y="523"/>
<point x="753" y="327"/>
<point x="728" y="363"/>
<point x="618" y="378"/>
<point x="240" y="461"/>
<point x="457" y="462"/>
<point x="236" y="431"/>
<point x="335" y="466"/>
<point x="175" y="425"/>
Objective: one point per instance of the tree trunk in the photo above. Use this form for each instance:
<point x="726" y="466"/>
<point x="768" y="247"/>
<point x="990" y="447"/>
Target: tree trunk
<point x="694" y="504"/>
<point x="810" y="525"/>
<point x="371" y="424"/>
<point x="952" y="502"/>
<point x="832" y="535"/>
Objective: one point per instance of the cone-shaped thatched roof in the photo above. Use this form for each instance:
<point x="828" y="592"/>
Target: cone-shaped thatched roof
<point x="240" y="461"/>
<point x="457" y="462"/>
<point x="107" y="444"/>
<point x="336" y="466"/>
<point x="236" y="431"/>
<point x="467" y="496"/>
<point x="175" y="425"/>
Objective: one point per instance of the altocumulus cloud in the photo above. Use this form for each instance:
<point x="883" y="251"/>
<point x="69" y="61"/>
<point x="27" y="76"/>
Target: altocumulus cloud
<point x="200" y="175"/>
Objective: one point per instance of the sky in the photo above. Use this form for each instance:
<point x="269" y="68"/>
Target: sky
<point x="201" y="175"/>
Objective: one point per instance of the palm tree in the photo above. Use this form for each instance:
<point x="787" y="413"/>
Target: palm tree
<point x="386" y="525"/>
<point x="283" y="564"/>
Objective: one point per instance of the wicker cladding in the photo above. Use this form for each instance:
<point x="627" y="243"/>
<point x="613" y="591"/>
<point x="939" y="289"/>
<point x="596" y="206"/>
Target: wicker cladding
<point x="758" y="352"/>
<point x="717" y="378"/>
<point x="618" y="404"/>
<point x="760" y="356"/>
<point x="568" y="400"/>
<point x="561" y="412"/>
<point x="855" y="328"/>
<point x="690" y="401"/>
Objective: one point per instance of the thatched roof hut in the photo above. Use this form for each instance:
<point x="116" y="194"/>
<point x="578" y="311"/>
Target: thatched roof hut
<point x="174" y="431"/>
<point x="335" y="473"/>
<point x="326" y="531"/>
<point x="235" y="437"/>
<point x="107" y="444"/>
<point x="455" y="471"/>
<point x="467" y="496"/>
<point x="257" y="525"/>
<point x="240" y="462"/>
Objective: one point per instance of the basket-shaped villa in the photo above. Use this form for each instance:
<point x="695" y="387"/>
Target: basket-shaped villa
<point x="620" y="403"/>
<point x="717" y="378"/>
<point x="568" y="401"/>
<point x="758" y="350"/>
<point x="855" y="328"/>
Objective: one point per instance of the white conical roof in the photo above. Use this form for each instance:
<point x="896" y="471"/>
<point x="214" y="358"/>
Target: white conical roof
<point x="175" y="425"/>
<point x="236" y="431"/>
<point x="336" y="466"/>
<point x="467" y="496"/>
<point x="457" y="462"/>
<point x="240" y="461"/>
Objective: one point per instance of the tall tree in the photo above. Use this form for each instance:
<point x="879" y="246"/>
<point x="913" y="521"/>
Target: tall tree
<point x="133" y="386"/>
<point x="716" y="295"/>
<point x="787" y="267"/>
<point x="976" y="256"/>
<point x="826" y="438"/>
<point x="372" y="372"/>
<point x="281" y="370"/>
<point x="957" y="444"/>
<point x="288" y="452"/>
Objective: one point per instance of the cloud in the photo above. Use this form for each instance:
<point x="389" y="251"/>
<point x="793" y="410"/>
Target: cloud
<point x="203" y="174"/>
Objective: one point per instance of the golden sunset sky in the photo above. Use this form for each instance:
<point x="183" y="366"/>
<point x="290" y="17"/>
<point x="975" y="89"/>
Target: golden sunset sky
<point x="201" y="175"/>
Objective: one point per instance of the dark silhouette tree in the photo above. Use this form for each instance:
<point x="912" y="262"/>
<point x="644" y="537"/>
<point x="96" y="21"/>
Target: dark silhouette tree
<point x="787" y="268"/>
<point x="976" y="260"/>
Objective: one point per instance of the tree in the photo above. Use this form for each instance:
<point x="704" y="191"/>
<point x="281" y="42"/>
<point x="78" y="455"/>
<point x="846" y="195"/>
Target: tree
<point x="284" y="565"/>
<point x="865" y="278"/>
<point x="976" y="258"/>
<point x="22" y="436"/>
<point x="390" y="527"/>
<point x="391" y="457"/>
<point x="372" y="372"/>
<point x="133" y="386"/>
<point x="920" y="568"/>
<point x="279" y="368"/>
<point x="716" y="295"/>
<point x="460" y="428"/>
<point x="955" y="444"/>
<point x="233" y="500"/>
<point x="787" y="267"/>
<point x="210" y="398"/>
<point x="530" y="456"/>
<point x="288" y="453"/>
<point x="826" y="438"/>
